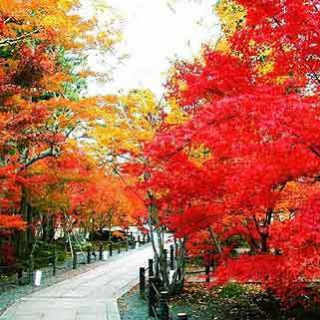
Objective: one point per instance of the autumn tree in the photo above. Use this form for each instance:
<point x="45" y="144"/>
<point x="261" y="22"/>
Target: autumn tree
<point x="251" y="131"/>
<point x="41" y="46"/>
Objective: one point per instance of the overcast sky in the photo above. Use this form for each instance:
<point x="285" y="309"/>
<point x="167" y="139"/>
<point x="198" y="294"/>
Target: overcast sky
<point x="155" y="32"/>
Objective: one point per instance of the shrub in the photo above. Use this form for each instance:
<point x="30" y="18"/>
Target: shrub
<point x="232" y="290"/>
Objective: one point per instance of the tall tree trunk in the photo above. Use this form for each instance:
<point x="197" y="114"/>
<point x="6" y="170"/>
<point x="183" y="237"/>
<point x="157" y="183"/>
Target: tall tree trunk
<point x="45" y="227"/>
<point x="178" y="277"/>
<point x="264" y="242"/>
<point x="25" y="237"/>
<point x="51" y="227"/>
<point x="157" y="233"/>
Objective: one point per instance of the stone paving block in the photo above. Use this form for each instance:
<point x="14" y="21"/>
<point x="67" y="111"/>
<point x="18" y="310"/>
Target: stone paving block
<point x="88" y="296"/>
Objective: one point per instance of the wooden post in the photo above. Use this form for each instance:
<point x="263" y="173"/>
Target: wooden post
<point x="182" y="316"/>
<point x="207" y="270"/>
<point x="110" y="249"/>
<point x="54" y="262"/>
<point x="163" y="306"/>
<point x="31" y="268"/>
<point x="151" y="297"/>
<point x="132" y="241"/>
<point x="88" y="255"/>
<point x="20" y="273"/>
<point x="172" y="257"/>
<point x="150" y="267"/>
<point x="100" y="251"/>
<point x="142" y="282"/>
<point x="75" y="260"/>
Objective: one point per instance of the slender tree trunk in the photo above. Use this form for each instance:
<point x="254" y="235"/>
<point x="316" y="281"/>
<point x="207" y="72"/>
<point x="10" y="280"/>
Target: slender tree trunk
<point x="264" y="242"/>
<point x="178" y="277"/>
<point x="25" y="237"/>
<point x="157" y="233"/>
<point x="264" y="234"/>
<point x="51" y="228"/>
<point x="45" y="227"/>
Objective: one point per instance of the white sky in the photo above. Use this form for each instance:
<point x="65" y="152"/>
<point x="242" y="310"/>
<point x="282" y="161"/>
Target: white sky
<point x="154" y="33"/>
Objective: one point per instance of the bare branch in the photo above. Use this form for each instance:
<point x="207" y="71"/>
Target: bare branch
<point x="51" y="152"/>
<point x="12" y="41"/>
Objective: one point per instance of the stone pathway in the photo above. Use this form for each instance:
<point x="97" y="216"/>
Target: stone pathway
<point x="89" y="296"/>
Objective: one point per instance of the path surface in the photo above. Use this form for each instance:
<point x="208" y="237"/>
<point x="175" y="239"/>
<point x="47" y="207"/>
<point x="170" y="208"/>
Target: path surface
<point x="89" y="296"/>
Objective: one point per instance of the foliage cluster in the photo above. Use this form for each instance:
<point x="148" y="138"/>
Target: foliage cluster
<point x="232" y="160"/>
<point x="242" y="163"/>
<point x="53" y="183"/>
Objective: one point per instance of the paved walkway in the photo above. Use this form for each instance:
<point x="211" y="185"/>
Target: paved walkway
<point x="89" y="296"/>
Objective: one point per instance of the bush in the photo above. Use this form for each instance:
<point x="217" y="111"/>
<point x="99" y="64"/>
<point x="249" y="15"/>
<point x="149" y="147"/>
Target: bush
<point x="240" y="308"/>
<point x="232" y="290"/>
<point x="242" y="302"/>
<point x="45" y="250"/>
<point x="3" y="278"/>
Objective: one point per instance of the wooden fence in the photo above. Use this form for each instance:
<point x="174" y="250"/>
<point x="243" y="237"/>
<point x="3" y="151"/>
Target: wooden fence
<point x="24" y="273"/>
<point x="150" y="290"/>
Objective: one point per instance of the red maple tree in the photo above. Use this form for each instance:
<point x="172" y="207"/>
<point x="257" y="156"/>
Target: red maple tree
<point x="250" y="134"/>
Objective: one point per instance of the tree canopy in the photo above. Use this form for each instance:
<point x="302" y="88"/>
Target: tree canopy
<point x="230" y="157"/>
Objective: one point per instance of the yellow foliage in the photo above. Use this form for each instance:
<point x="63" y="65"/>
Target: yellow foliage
<point x="124" y="122"/>
<point x="223" y="45"/>
<point x="182" y="86"/>
<point x="294" y="196"/>
<point x="266" y="68"/>
<point x="198" y="154"/>
<point x="232" y="16"/>
<point x="281" y="80"/>
<point x="264" y="59"/>
<point x="176" y="115"/>
<point x="56" y="20"/>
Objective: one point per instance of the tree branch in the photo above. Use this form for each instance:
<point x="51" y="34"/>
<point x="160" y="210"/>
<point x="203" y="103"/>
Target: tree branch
<point x="51" y="152"/>
<point x="12" y="41"/>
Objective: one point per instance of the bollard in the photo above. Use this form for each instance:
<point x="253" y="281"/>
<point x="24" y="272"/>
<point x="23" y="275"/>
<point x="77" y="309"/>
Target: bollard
<point x="139" y="240"/>
<point x="163" y="306"/>
<point x="100" y="251"/>
<point x="172" y="257"/>
<point x="54" y="262"/>
<point x="20" y="274"/>
<point x="75" y="260"/>
<point x="110" y="249"/>
<point x="182" y="316"/>
<point x="150" y="267"/>
<point x="151" y="297"/>
<point x="127" y="244"/>
<point x="88" y="255"/>
<point x="119" y="247"/>
<point x="207" y="270"/>
<point x="142" y="281"/>
<point x="144" y="238"/>
<point x="148" y="237"/>
<point x="31" y="268"/>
